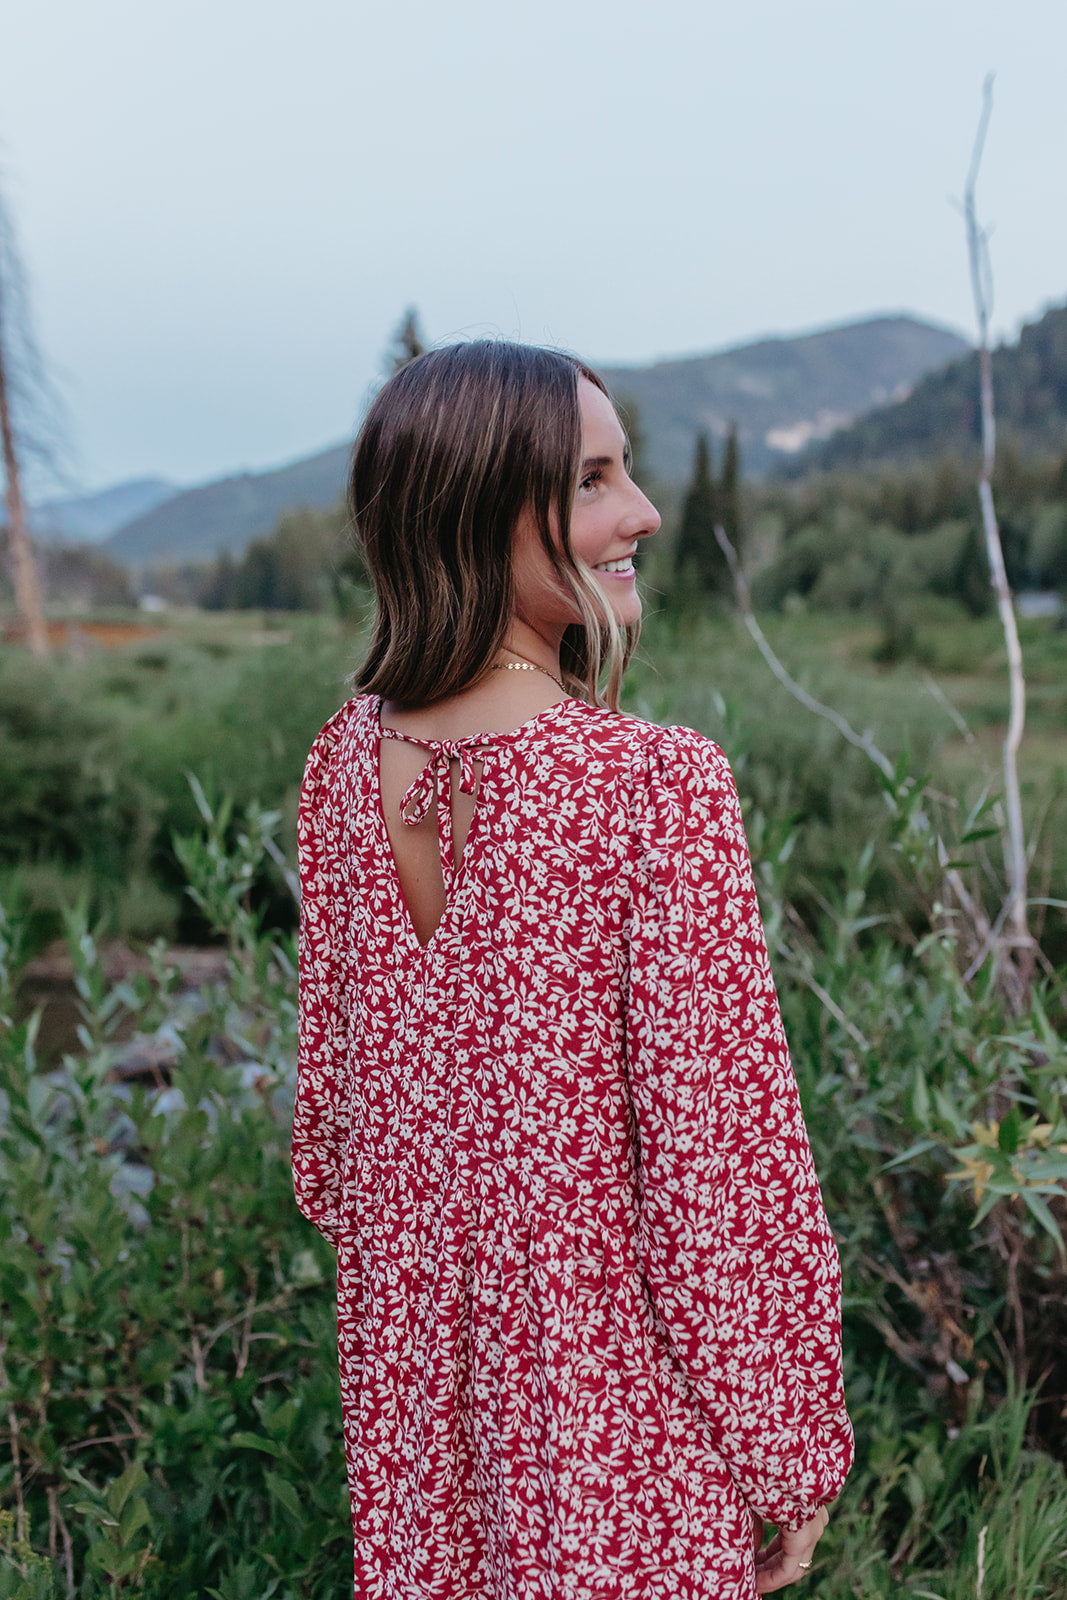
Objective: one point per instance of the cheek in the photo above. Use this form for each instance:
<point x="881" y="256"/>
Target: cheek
<point x="588" y="536"/>
<point x="536" y="584"/>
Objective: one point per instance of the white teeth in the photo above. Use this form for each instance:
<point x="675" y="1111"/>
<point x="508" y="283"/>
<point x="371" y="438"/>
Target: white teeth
<point x="615" y="566"/>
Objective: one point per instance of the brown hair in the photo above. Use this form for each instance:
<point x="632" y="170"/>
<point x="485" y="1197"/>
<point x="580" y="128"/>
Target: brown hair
<point x="454" y="448"/>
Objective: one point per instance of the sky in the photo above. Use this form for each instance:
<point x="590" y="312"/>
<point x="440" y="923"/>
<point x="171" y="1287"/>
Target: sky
<point x="224" y="206"/>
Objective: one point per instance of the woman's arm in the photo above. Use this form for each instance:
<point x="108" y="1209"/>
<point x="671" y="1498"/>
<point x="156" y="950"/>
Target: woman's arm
<point x="319" y="1118"/>
<point x="735" y="1245"/>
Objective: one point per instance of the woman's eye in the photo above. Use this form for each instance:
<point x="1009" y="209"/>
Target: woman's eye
<point x="591" y="480"/>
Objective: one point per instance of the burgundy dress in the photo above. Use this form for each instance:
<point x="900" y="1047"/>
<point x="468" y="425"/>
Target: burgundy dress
<point x="588" y="1301"/>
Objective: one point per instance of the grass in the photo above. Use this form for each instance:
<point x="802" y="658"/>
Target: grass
<point x="95" y="745"/>
<point x="220" y="1474"/>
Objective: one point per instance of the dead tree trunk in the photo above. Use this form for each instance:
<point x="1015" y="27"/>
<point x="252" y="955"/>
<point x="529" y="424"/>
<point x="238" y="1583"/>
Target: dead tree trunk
<point x="1016" y="955"/>
<point x="24" y="568"/>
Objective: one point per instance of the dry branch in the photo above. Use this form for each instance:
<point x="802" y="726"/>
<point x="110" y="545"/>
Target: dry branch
<point x="982" y="933"/>
<point x="24" y="568"/>
<point x="862" y="741"/>
<point x="1016" y="947"/>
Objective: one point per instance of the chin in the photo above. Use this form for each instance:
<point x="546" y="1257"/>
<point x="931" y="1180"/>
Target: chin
<point x="627" y="612"/>
<point x="625" y="608"/>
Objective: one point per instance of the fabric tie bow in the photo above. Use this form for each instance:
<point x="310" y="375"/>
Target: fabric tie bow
<point x="434" y="779"/>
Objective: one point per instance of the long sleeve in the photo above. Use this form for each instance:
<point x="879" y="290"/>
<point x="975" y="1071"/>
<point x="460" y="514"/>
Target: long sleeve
<point x="735" y="1246"/>
<point x="319" y="1118"/>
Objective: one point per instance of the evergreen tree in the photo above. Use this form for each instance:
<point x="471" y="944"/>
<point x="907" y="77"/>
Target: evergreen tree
<point x="697" y="556"/>
<point x="408" y="342"/>
<point x="951" y="490"/>
<point x="630" y="417"/>
<point x="1058" y="486"/>
<point x="1015" y="544"/>
<point x="293" y="569"/>
<point x="730" y="508"/>
<point x="221" y="590"/>
<point x="1055" y="571"/>
<point x="970" y="579"/>
<point x="257" y="579"/>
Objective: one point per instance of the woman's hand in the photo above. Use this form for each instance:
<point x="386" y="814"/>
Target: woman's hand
<point x="788" y="1554"/>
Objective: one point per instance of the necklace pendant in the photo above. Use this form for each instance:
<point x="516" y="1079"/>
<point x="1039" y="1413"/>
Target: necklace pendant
<point x="526" y="666"/>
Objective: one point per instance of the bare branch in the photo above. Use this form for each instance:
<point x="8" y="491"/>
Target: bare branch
<point x="24" y="567"/>
<point x="934" y="688"/>
<point x="292" y="882"/>
<point x="980" y="924"/>
<point x="826" y="1000"/>
<point x="862" y="741"/>
<point x="1019" y="956"/>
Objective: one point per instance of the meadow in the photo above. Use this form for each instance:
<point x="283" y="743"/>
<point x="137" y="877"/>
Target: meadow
<point x="167" y="1363"/>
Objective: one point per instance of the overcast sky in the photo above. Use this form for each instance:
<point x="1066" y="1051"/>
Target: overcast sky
<point x="225" y="205"/>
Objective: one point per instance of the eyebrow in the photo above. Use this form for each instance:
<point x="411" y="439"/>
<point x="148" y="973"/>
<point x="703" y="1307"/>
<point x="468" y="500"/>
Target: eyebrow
<point x="594" y="463"/>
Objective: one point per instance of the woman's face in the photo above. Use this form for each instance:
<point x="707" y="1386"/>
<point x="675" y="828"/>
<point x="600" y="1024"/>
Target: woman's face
<point x="609" y="518"/>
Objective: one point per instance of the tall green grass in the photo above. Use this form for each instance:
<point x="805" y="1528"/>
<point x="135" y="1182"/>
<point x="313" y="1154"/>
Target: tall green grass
<point x="168" y="1397"/>
<point x="94" y="752"/>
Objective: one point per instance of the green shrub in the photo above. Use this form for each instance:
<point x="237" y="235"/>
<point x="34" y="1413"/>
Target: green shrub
<point x="169" y="1353"/>
<point x="169" y="1388"/>
<point x="95" y="757"/>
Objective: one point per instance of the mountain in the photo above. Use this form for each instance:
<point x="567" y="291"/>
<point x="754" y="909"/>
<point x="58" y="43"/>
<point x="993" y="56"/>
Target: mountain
<point x="782" y="393"/>
<point x="941" y="415"/>
<point x="87" y="518"/>
<point x="228" y="514"/>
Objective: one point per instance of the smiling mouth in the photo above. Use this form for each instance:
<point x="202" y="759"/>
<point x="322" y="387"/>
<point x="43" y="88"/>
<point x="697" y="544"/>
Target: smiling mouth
<point x="623" y="568"/>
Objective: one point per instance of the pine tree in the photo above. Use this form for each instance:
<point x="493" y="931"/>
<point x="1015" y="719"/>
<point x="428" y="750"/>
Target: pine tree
<point x="630" y="416"/>
<point x="970" y="579"/>
<point x="408" y="342"/>
<point x="730" y="509"/>
<point x="697" y="556"/>
<point x="1058" y="486"/>
<point x="222" y="584"/>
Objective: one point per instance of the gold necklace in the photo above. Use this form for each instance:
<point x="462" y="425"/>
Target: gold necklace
<point x="526" y="666"/>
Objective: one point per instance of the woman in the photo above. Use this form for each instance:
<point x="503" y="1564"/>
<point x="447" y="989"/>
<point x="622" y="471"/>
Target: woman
<point x="588" y="1301"/>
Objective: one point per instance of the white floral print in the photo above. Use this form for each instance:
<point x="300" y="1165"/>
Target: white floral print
<point x="588" y="1300"/>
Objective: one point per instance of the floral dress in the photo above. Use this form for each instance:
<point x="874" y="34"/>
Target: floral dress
<point x="588" y="1300"/>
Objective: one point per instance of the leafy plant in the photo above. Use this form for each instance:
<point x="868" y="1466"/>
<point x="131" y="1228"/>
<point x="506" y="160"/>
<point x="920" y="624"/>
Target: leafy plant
<point x="168" y="1391"/>
<point x="169" y="1382"/>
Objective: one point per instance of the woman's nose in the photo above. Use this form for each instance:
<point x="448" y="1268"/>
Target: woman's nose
<point x="646" y="518"/>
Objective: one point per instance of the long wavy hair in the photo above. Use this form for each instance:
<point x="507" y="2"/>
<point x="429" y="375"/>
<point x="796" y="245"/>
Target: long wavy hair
<point x="454" y="448"/>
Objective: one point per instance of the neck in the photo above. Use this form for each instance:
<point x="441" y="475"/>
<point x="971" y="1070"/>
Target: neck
<point x="523" y="641"/>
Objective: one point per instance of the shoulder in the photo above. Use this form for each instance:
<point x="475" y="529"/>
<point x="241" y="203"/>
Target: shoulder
<point x="678" y="794"/>
<point x="330" y="745"/>
<point x="669" y="784"/>
<point x="650" y="755"/>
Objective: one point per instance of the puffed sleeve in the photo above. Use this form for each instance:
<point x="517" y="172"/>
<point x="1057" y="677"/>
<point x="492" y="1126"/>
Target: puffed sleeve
<point x="319" y="1117"/>
<point x="737" y="1253"/>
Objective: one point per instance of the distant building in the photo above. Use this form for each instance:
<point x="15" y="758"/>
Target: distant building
<point x="1038" y="603"/>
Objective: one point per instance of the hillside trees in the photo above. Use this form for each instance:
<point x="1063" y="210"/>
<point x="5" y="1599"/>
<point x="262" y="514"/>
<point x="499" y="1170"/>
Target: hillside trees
<point x="408" y="342"/>
<point x="833" y="527"/>
<point x="700" y="567"/>
<point x="970" y="575"/>
<point x="697" y="559"/>
<point x="943" y="412"/>
<point x="630" y="416"/>
<point x="730" y="511"/>
<point x="294" y="569"/>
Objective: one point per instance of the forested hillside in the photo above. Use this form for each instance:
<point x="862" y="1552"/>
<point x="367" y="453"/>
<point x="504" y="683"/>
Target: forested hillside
<point x="228" y="514"/>
<point x="779" y="392"/>
<point x="91" y="517"/>
<point x="941" y="415"/>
